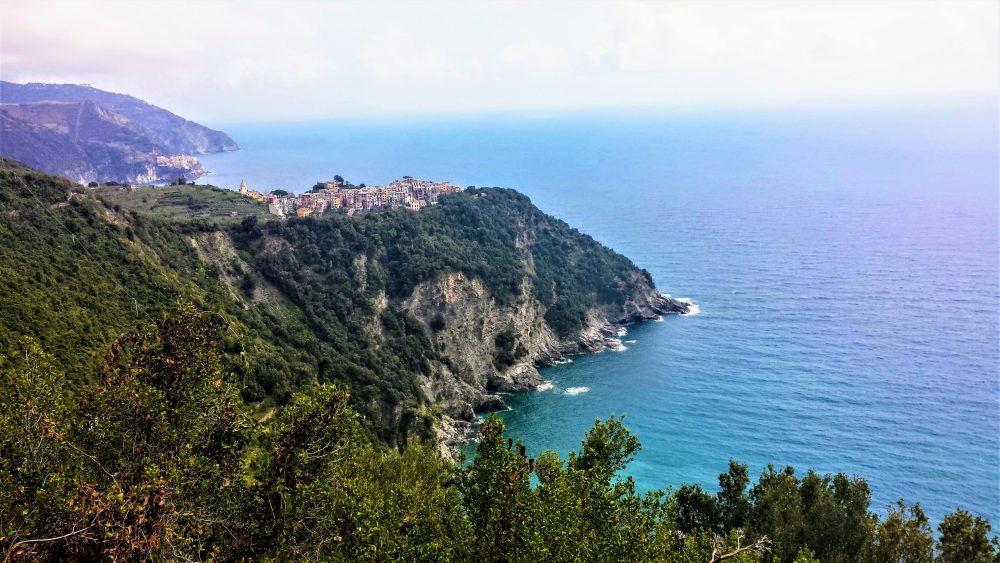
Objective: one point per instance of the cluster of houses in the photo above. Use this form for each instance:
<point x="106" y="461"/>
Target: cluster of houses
<point x="336" y="195"/>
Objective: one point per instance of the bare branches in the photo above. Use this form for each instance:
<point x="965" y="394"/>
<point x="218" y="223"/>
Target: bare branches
<point x="719" y="553"/>
<point x="10" y="552"/>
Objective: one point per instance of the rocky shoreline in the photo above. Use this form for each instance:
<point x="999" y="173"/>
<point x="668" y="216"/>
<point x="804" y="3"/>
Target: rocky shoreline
<point x="603" y="332"/>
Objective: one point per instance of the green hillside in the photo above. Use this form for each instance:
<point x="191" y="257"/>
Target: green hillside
<point x="184" y="203"/>
<point x="81" y="266"/>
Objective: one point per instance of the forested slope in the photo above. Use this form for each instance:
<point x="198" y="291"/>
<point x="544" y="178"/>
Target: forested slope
<point x="159" y="460"/>
<point x="308" y="300"/>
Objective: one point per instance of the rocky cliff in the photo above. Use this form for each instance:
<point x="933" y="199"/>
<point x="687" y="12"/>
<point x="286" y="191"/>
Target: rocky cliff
<point x="466" y="323"/>
<point x="451" y="305"/>
<point x="426" y="316"/>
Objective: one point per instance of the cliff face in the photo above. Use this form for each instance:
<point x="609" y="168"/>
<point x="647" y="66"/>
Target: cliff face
<point x="176" y="134"/>
<point x="465" y="322"/>
<point x="452" y="305"/>
<point x="425" y="316"/>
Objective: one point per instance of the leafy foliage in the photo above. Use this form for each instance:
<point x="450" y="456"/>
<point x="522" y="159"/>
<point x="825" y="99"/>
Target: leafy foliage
<point x="77" y="270"/>
<point x="161" y="460"/>
<point x="140" y="446"/>
<point x="508" y="349"/>
<point x="78" y="267"/>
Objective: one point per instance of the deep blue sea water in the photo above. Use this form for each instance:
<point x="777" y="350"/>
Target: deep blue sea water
<point x="845" y="263"/>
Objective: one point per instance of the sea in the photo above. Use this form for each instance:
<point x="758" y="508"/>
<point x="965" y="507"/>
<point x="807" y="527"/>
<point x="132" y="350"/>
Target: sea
<point x="843" y="261"/>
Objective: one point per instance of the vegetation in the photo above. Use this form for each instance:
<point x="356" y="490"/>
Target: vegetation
<point x="161" y="460"/>
<point x="508" y="350"/>
<point x="229" y="426"/>
<point x="302" y="298"/>
<point x="184" y="202"/>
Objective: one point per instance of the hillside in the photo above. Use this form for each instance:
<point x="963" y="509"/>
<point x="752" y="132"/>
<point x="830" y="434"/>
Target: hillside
<point x="424" y="315"/>
<point x="187" y="203"/>
<point x="86" y="142"/>
<point x="176" y="134"/>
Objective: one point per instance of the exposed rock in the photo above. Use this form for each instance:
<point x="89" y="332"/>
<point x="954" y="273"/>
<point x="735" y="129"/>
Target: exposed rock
<point x="472" y="318"/>
<point x="490" y="403"/>
<point x="451" y="434"/>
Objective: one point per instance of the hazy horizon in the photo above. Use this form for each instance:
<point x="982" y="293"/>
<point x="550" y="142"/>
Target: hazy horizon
<point x="225" y="62"/>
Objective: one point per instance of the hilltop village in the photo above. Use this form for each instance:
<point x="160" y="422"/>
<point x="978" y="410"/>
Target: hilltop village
<point x="339" y="196"/>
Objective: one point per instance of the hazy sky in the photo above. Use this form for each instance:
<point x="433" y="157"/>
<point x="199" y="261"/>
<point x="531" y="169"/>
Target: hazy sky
<point x="246" y="61"/>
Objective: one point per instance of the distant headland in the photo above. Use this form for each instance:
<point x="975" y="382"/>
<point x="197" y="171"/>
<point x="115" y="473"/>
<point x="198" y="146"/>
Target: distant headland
<point x="90" y="135"/>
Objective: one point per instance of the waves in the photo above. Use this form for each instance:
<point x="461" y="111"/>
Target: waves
<point x="693" y="308"/>
<point x="570" y="391"/>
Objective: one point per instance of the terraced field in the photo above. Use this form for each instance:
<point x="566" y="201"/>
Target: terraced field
<point x="182" y="203"/>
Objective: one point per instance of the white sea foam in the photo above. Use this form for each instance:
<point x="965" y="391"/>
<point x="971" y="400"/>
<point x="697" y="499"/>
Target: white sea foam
<point x="693" y="310"/>
<point x="630" y="341"/>
<point x="562" y="361"/>
<point x="658" y="319"/>
<point x="622" y="331"/>
<point x="547" y="386"/>
<point x="576" y="390"/>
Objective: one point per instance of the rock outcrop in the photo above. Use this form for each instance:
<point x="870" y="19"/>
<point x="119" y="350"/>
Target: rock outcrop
<point x="464" y="321"/>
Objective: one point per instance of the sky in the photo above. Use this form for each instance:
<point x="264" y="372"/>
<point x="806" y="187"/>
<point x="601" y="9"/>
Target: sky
<point x="226" y="61"/>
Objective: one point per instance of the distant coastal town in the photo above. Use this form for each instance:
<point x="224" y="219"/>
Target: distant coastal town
<point x="337" y="195"/>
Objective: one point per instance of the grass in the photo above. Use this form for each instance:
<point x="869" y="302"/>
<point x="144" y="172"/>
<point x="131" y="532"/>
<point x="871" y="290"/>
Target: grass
<point x="183" y="203"/>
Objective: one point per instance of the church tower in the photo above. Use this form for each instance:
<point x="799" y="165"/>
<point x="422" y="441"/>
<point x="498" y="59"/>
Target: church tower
<point x="243" y="187"/>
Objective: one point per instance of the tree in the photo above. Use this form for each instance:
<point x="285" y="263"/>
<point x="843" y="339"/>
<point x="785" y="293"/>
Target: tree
<point x="734" y="505"/>
<point x="965" y="538"/>
<point x="497" y="496"/>
<point x="165" y="435"/>
<point x="695" y="510"/>
<point x="149" y="460"/>
<point x="777" y="511"/>
<point x="904" y="536"/>
<point x="36" y="458"/>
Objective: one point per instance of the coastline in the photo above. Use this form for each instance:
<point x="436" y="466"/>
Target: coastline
<point x="603" y="333"/>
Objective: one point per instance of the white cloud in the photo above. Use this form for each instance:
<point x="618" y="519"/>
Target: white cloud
<point x="269" y="60"/>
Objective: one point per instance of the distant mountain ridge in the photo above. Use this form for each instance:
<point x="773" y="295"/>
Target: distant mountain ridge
<point x="86" y="135"/>
<point x="178" y="135"/>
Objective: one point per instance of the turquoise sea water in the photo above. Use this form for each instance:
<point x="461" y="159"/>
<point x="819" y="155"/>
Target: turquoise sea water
<point x="845" y="263"/>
